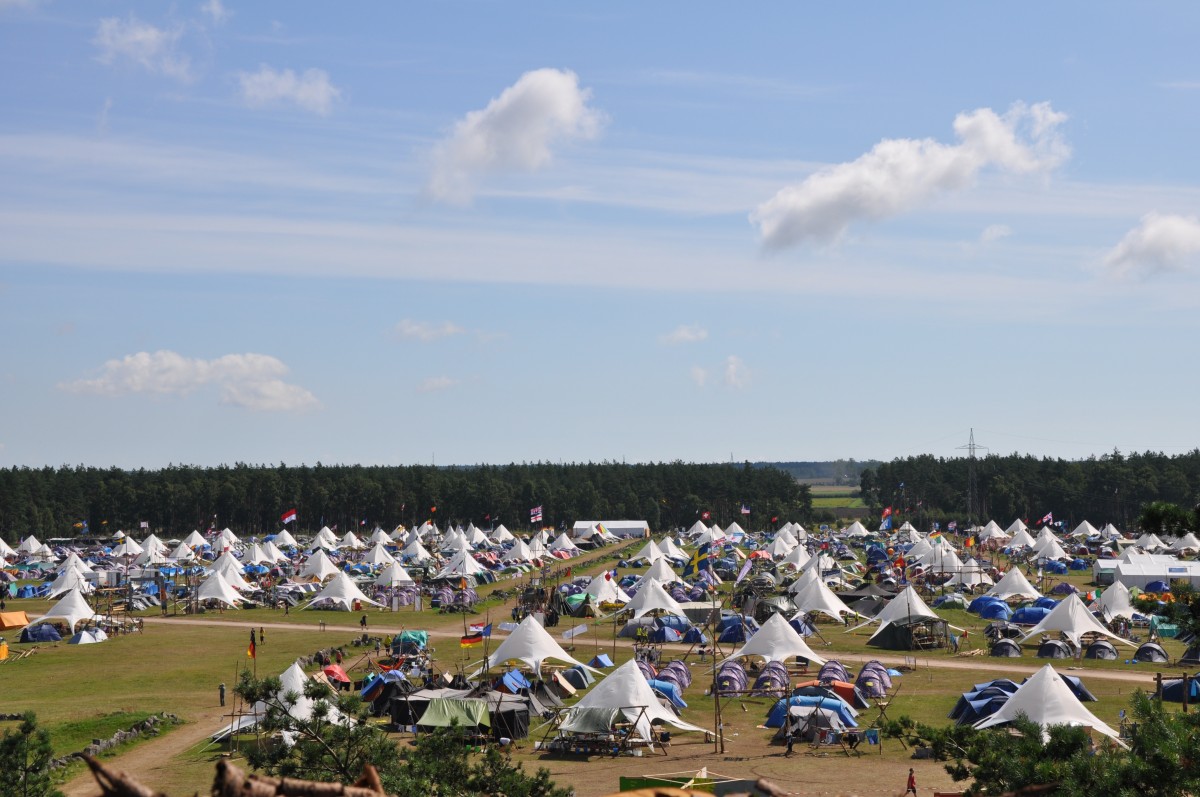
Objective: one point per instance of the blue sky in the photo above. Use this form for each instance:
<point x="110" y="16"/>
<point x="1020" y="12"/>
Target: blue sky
<point x="486" y="232"/>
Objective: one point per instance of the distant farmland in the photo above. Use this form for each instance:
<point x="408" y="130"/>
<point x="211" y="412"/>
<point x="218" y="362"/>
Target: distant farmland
<point x="831" y="497"/>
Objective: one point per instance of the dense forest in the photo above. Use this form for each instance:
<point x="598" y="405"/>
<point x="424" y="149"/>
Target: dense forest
<point x="61" y="502"/>
<point x="1114" y="488"/>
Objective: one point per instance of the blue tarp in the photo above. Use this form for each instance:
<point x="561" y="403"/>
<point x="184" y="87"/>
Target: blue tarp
<point x="838" y="706"/>
<point x="514" y="681"/>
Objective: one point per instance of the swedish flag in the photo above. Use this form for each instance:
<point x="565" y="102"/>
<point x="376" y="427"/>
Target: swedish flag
<point x="698" y="562"/>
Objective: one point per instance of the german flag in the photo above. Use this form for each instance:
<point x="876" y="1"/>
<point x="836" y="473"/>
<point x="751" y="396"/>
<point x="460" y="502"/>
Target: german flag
<point x="250" y="651"/>
<point x="471" y="640"/>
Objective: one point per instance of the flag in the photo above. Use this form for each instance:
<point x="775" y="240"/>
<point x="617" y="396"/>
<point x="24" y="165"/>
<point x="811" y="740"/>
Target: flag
<point x="362" y="522"/>
<point x="608" y="575"/>
<point x="937" y="535"/>
<point x="1047" y="519"/>
<point x="433" y="509"/>
<point x="951" y="526"/>
<point x="462" y="584"/>
<point x="886" y="525"/>
<point x="470" y="640"/>
<point x="698" y="562"/>
<point x="600" y="528"/>
<point x="745" y="509"/>
<point x="900" y="563"/>
<point x="775" y="519"/>
<point x="569" y="569"/>
<point x="706" y="515"/>
<point x="482" y="629"/>
<point x="143" y="525"/>
<point x="936" y="526"/>
<point x="535" y="514"/>
<point x="288" y="516"/>
<point x="970" y="541"/>
<point x="887" y="513"/>
<point x="250" y="651"/>
<point x="488" y="516"/>
<point x="742" y="573"/>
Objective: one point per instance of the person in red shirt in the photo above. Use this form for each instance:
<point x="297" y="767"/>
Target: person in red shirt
<point x="912" y="783"/>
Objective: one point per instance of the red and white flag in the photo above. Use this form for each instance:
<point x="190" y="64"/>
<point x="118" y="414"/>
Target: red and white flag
<point x="288" y="516"/>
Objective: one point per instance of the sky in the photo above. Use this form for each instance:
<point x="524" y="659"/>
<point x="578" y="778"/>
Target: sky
<point x="481" y="232"/>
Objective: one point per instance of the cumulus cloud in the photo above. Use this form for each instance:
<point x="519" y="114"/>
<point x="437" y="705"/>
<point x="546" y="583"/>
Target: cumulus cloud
<point x="311" y="91"/>
<point x="994" y="232"/>
<point x="425" y="332"/>
<point x="215" y="10"/>
<point x="685" y="334"/>
<point x="251" y="381"/>
<point x="1161" y="243"/>
<point x="736" y="374"/>
<point x="516" y="132"/>
<point x="153" y="48"/>
<point x="435" y="384"/>
<point x="699" y="375"/>
<point x="898" y="175"/>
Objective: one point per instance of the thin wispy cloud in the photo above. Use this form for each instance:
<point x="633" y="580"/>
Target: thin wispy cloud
<point x="436" y="384"/>
<point x="250" y="381"/>
<point x="736" y="375"/>
<point x="215" y="10"/>
<point x="426" y="332"/>
<point x="995" y="232"/>
<point x="699" y="375"/>
<point x="685" y="333"/>
<point x="154" y="49"/>
<point x="310" y="90"/>
<point x="1161" y="243"/>
<point x="899" y="175"/>
<point x="517" y="132"/>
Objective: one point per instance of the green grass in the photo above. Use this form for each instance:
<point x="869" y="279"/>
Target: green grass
<point x="72" y="736"/>
<point x="837" y="503"/>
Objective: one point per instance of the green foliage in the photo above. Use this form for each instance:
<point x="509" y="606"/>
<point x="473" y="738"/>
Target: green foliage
<point x="338" y="739"/>
<point x="25" y="755"/>
<point x="178" y="499"/>
<point x="1161" y="760"/>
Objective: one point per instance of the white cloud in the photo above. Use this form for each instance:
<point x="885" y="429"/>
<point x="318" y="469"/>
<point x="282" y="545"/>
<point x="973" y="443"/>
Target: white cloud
<point x="311" y="90"/>
<point x="155" y="49"/>
<point x="994" y="232"/>
<point x="736" y="375"/>
<point x="897" y="175"/>
<point x="216" y="11"/>
<point x="699" y="375"/>
<point x="436" y="384"/>
<point x="252" y="381"/>
<point x="685" y="334"/>
<point x="1161" y="243"/>
<point x="426" y="332"/>
<point x="514" y="133"/>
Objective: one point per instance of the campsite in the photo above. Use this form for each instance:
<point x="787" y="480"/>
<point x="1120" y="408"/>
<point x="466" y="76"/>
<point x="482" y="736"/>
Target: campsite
<point x="607" y="684"/>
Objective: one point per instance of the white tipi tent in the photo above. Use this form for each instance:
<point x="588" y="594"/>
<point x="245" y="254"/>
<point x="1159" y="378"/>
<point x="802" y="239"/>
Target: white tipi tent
<point x="216" y="588"/>
<point x="394" y="576"/>
<point x="1115" y="601"/>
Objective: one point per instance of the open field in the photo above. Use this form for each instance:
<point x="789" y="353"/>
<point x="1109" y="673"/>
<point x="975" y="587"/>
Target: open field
<point x="176" y="664"/>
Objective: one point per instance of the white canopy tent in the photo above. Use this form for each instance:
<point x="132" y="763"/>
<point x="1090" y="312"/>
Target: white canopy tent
<point x="1072" y="619"/>
<point x="341" y="591"/>
<point x="1047" y="700"/>
<point x="777" y="641"/>
<point x="318" y="567"/>
<point x="72" y="609"/>
<point x="216" y="588"/>
<point x="1013" y="584"/>
<point x="67" y="580"/>
<point x="394" y="576"/>
<point x="652" y="597"/>
<point x="625" y="690"/>
<point x="531" y="644"/>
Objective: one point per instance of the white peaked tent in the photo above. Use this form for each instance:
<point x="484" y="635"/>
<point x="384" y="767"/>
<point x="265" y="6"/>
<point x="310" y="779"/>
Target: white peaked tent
<point x="227" y="538"/>
<point x="1073" y="620"/>
<point x="150" y="558"/>
<point x="69" y="579"/>
<point x="1047" y="534"/>
<point x="29" y="545"/>
<point x="531" y="644"/>
<point x="257" y="556"/>
<point x="563" y="543"/>
<point x="1187" y="542"/>
<point x="971" y="574"/>
<point x="1022" y="539"/>
<point x="626" y="690"/>
<point x="711" y="536"/>
<point x="907" y="607"/>
<point x="605" y="590"/>
<point x="195" y="540"/>
<point x="6" y="549"/>
<point x="292" y="682"/>
<point x="1016" y="526"/>
<point x="519" y="552"/>
<point x="1013" y="584"/>
<point x="233" y="577"/>
<point x="342" y="592"/>
<point x="351" y="541"/>
<point x="660" y="571"/>
<point x="128" y="547"/>
<point x="501" y="534"/>
<point x="797" y="558"/>
<point x="378" y="555"/>
<point x="734" y="528"/>
<point x="780" y="548"/>
<point x="671" y="550"/>
<point x="777" y="641"/>
<point x="284" y="539"/>
<point x="785" y="534"/>
<point x="461" y="564"/>
<point x="1115" y="601"/>
<point x="942" y="559"/>
<point x="542" y="536"/>
<point x="477" y="537"/>
<point x="272" y="552"/>
<point x="227" y="564"/>
<point x="1150" y="542"/>
<point x="990" y="530"/>
<point x="1084" y="529"/>
<point x="918" y="551"/>
<point x="650" y="552"/>
<point x="319" y="566"/>
<point x="72" y="610"/>
<point x="43" y="554"/>
<point x="1047" y="700"/>
<point x="1110" y="532"/>
<point x="816" y="597"/>
<point x="697" y="529"/>
<point x="325" y="539"/>
<point x="379" y="536"/>
<point x="183" y="553"/>
<point x="856" y="529"/>
<point x="394" y="576"/>
<point x="73" y="562"/>
<point x="416" y="552"/>
<point x="216" y="588"/>
<point x="1050" y="549"/>
<point x="651" y="597"/>
<point x="537" y="547"/>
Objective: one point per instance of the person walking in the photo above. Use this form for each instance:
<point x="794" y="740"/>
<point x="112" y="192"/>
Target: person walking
<point x="261" y="635"/>
<point x="911" y="788"/>
<point x="221" y="692"/>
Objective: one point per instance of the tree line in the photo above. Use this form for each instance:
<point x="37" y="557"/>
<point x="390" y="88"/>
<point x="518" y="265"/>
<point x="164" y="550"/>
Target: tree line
<point x="69" y="501"/>
<point x="1114" y="488"/>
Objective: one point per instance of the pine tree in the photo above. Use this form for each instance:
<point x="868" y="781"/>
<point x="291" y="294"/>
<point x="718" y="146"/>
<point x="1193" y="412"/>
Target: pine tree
<point x="25" y="756"/>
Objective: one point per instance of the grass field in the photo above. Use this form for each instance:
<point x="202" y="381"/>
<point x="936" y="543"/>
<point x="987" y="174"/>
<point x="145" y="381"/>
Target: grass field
<point x="176" y="664"/>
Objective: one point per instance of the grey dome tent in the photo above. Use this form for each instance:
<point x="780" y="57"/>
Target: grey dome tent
<point x="1151" y="652"/>
<point x="1191" y="655"/>
<point x="1005" y="648"/>
<point x="1055" y="649"/>
<point x="1101" y="649"/>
